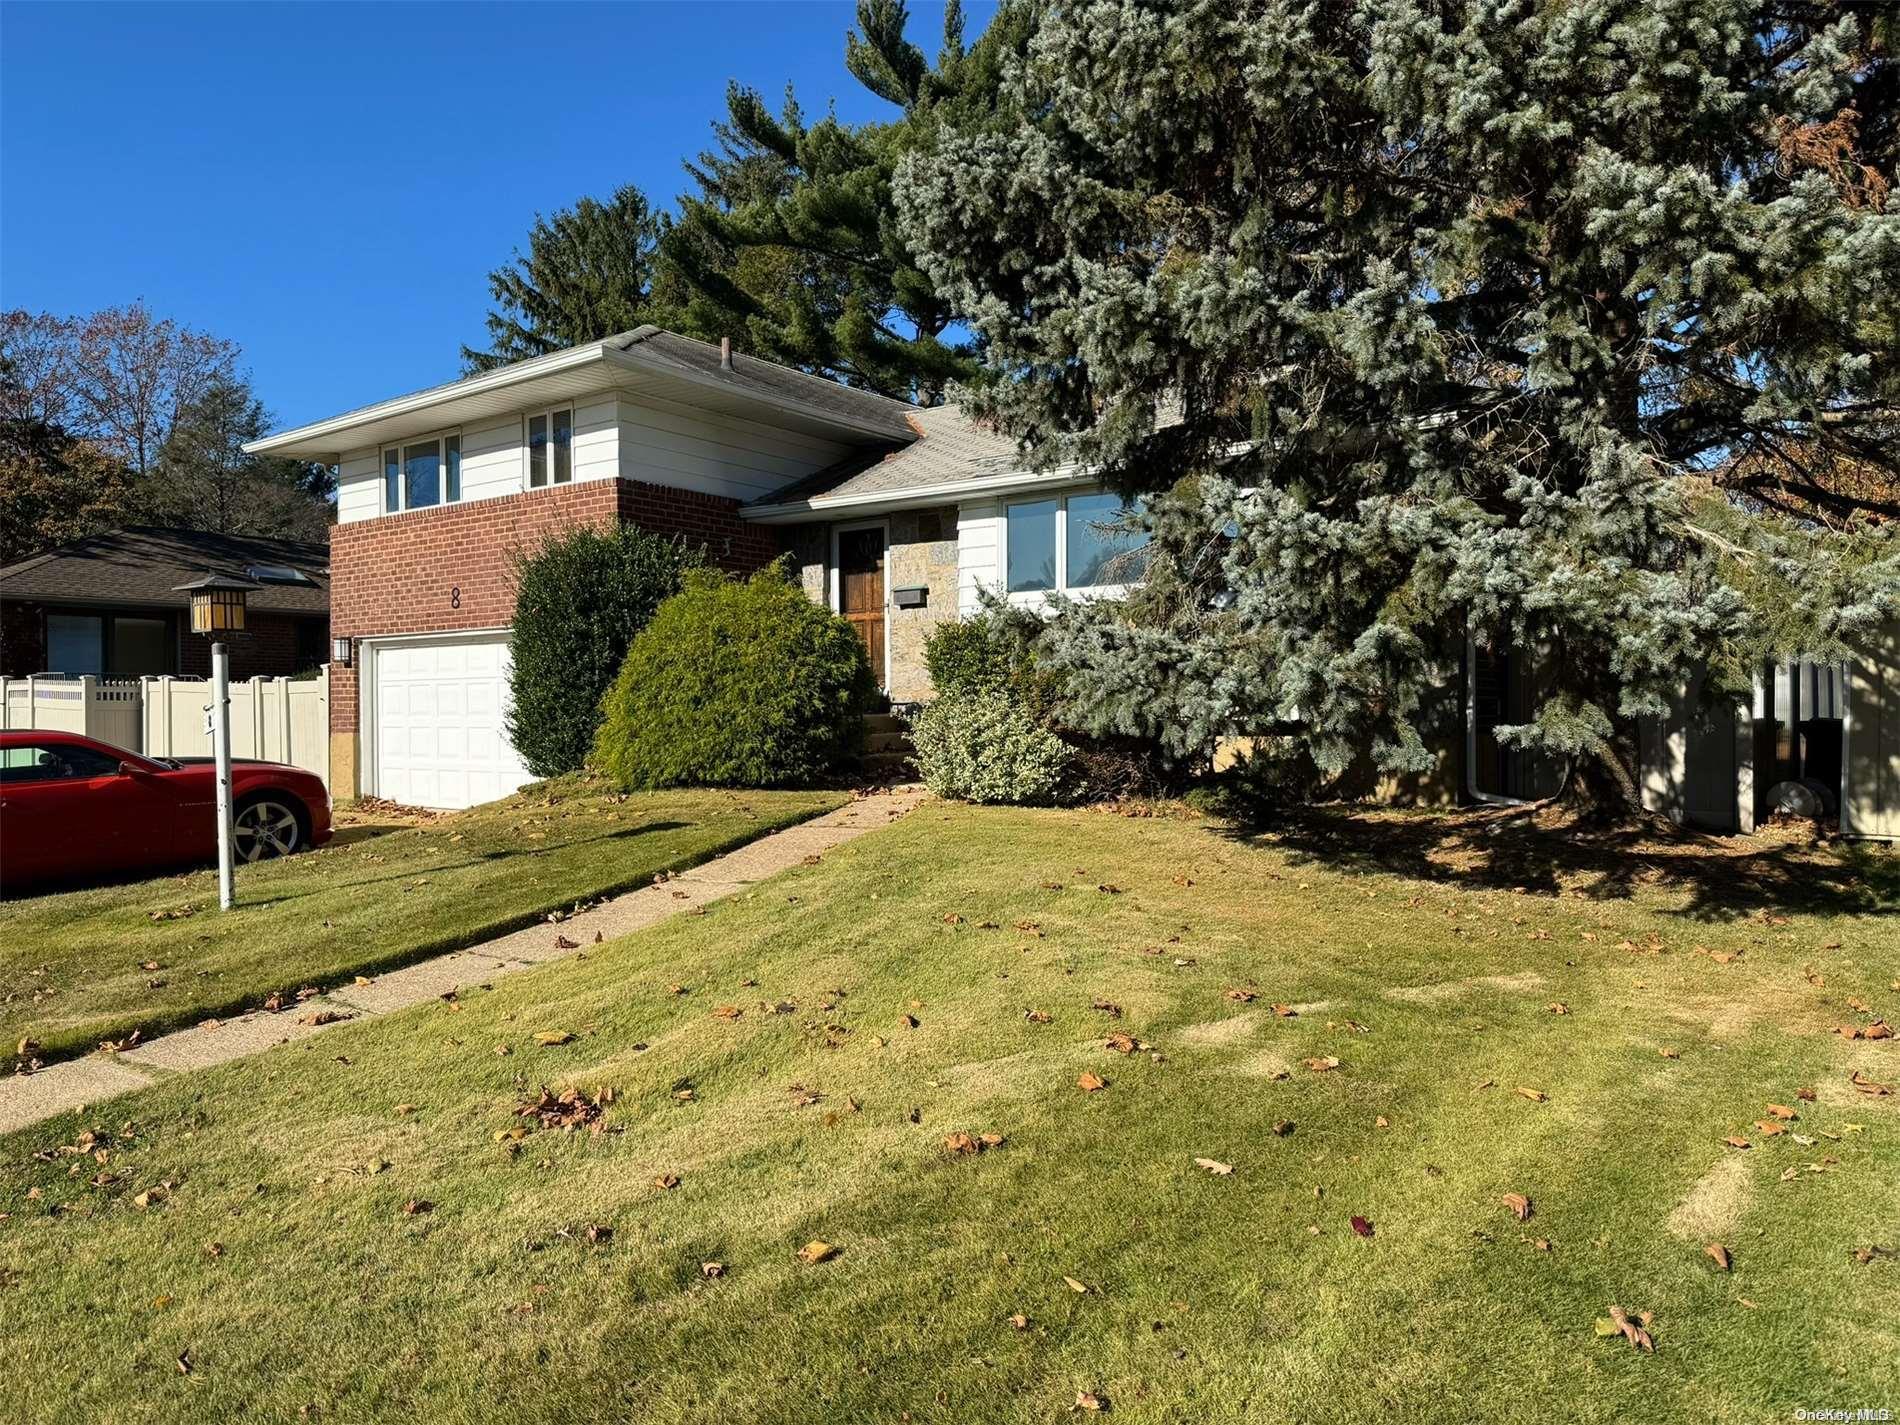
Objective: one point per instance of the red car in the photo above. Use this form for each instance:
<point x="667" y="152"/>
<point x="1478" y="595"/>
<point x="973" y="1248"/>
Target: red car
<point x="73" y="807"/>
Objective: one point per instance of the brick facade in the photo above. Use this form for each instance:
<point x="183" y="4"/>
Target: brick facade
<point x="451" y="568"/>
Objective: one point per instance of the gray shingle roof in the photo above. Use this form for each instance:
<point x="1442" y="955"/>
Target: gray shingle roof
<point x="139" y="566"/>
<point x="950" y="447"/>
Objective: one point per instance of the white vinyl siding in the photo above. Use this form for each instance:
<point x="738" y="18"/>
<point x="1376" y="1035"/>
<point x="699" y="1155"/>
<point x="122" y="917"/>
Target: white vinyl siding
<point x="979" y="552"/>
<point x="666" y="444"/>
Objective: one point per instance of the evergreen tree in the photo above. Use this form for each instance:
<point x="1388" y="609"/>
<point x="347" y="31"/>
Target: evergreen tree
<point x="587" y="273"/>
<point x="1432" y="316"/>
<point x="204" y="479"/>
<point x="791" y="246"/>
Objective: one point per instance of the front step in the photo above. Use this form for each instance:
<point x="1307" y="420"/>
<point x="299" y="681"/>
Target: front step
<point x="888" y="753"/>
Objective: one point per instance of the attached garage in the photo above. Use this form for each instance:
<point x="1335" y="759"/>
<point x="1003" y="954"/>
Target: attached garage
<point x="437" y="719"/>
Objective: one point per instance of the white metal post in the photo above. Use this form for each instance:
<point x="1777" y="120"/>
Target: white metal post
<point x="221" y="750"/>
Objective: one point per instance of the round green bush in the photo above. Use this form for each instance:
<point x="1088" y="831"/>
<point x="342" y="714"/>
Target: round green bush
<point x="736" y="684"/>
<point x="579" y="600"/>
<point x="983" y="745"/>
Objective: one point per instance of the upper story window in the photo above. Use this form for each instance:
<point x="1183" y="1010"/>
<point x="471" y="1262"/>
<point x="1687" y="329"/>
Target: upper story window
<point x="422" y="473"/>
<point x="550" y="448"/>
<point x="1070" y="542"/>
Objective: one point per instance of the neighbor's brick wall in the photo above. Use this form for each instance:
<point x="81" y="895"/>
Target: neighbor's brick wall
<point x="450" y="568"/>
<point x="266" y="649"/>
<point x="22" y="639"/>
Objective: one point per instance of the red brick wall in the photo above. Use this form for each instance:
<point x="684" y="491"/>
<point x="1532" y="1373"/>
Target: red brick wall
<point x="452" y="567"/>
<point x="22" y="639"/>
<point x="268" y="648"/>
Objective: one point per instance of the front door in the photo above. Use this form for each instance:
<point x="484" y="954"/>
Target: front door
<point x="861" y="590"/>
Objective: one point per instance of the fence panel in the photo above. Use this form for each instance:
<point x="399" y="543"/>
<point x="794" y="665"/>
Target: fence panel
<point x="272" y="719"/>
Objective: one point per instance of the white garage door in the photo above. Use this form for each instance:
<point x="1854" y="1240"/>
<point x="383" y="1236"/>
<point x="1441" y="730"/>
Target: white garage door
<point x="441" y="739"/>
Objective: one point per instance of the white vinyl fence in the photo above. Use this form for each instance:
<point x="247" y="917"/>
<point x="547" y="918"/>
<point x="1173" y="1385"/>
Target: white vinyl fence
<point x="272" y="719"/>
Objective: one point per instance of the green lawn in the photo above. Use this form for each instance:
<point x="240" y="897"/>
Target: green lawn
<point x="81" y="968"/>
<point x="550" y="1277"/>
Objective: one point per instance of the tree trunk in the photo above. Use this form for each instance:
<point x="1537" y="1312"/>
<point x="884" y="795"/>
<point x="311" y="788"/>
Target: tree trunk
<point x="1602" y="785"/>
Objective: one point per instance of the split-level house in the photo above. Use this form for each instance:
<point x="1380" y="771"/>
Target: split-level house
<point x="894" y="515"/>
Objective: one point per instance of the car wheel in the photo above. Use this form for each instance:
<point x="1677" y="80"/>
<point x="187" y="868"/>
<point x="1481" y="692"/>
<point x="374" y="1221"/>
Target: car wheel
<point x="265" y="828"/>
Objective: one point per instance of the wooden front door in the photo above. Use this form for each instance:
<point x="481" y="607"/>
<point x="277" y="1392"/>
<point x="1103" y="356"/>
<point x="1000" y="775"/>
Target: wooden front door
<point x="861" y="590"/>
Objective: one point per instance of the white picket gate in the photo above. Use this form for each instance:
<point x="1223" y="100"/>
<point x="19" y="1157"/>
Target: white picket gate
<point x="272" y="719"/>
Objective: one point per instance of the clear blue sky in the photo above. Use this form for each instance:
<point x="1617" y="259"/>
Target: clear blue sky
<point x="327" y="185"/>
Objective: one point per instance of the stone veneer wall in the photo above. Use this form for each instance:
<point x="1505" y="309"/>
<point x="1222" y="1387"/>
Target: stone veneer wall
<point x="922" y="552"/>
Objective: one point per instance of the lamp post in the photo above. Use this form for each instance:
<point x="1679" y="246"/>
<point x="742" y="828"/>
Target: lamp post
<point x="217" y="607"/>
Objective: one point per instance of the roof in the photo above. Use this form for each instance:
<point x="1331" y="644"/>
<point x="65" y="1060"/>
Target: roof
<point x="139" y="566"/>
<point x="646" y="359"/>
<point x="952" y="457"/>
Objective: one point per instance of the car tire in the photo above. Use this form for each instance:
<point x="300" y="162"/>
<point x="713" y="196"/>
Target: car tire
<point x="265" y="827"/>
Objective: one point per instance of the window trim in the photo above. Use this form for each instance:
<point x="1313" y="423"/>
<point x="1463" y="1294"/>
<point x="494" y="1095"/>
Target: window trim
<point x="441" y="438"/>
<point x="1036" y="597"/>
<point x="547" y="413"/>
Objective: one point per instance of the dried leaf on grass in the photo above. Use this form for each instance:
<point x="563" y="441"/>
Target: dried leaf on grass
<point x="1091" y="1082"/>
<point x="815" y="1251"/>
<point x="1519" y="1204"/>
<point x="1634" y="1330"/>
<point x="1718" y="1254"/>
<point x="1219" y="1170"/>
<point x="567" y="1110"/>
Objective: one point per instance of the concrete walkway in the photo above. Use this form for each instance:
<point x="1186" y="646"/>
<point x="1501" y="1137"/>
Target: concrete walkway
<point x="79" y="1083"/>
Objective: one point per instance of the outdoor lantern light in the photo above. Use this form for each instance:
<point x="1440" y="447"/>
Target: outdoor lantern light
<point x="217" y="607"/>
<point x="217" y="603"/>
<point x="340" y="652"/>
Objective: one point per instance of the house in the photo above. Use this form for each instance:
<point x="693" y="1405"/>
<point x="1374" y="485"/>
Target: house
<point x="108" y="606"/>
<point x="894" y="515"/>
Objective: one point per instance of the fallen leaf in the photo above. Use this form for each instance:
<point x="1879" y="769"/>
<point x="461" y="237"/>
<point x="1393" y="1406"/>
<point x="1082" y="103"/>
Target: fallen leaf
<point x="1669" y="1053"/>
<point x="1362" y="1226"/>
<point x="1088" y="1400"/>
<point x="600" y="1234"/>
<point x="666" y="1182"/>
<point x="712" y="1269"/>
<point x="552" y="1037"/>
<point x="1036" y="1016"/>
<point x="815" y="1251"/>
<point x="1519" y="1204"/>
<point x="1769" y="1127"/>
<point x="1634" y="1331"/>
<point x="1282" y="1128"/>
<point x="1556" y="1007"/>
<point x="1240" y="996"/>
<point x="1019" y="1321"/>
<point x="1108" y="1007"/>
<point x="1076" y="1286"/>
<point x="1286" y="1011"/>
<point x="1321" y="1065"/>
<point x="909" y="1021"/>
<point x="1735" y="1142"/>
<point x="1534" y="1095"/>
<point x="1091" y="1083"/>
<point x="416" y="1206"/>
<point x="727" y="1012"/>
<point x="1867" y="1086"/>
<point x="1718" y="1254"/>
<point x="1219" y="1170"/>
<point x="1782" y="1111"/>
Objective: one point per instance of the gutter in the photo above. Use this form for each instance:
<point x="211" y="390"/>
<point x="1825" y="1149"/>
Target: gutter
<point x="914" y="496"/>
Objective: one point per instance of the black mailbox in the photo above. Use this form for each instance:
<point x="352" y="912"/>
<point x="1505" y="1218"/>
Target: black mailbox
<point x="911" y="598"/>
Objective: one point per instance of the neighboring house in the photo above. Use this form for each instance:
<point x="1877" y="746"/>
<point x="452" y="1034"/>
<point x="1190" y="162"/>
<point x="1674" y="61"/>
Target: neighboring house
<point x="108" y="606"/>
<point x="894" y="515"/>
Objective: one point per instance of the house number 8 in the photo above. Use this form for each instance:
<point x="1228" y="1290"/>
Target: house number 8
<point x="455" y="597"/>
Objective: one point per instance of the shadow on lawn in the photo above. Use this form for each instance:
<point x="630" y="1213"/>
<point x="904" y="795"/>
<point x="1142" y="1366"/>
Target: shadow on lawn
<point x="478" y="858"/>
<point x="1722" y="878"/>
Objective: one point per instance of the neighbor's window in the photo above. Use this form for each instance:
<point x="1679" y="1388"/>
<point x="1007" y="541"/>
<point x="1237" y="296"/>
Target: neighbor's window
<point x="550" y="448"/>
<point x="1069" y="543"/>
<point x="422" y="473"/>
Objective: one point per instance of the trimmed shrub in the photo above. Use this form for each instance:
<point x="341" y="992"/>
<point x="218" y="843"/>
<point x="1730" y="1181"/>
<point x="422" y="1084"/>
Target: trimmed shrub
<point x="736" y="684"/>
<point x="579" y="600"/>
<point x="983" y="745"/>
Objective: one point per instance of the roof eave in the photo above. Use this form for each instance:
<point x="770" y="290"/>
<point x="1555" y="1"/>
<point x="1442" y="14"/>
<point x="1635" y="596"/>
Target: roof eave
<point x="323" y="440"/>
<point x="917" y="496"/>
